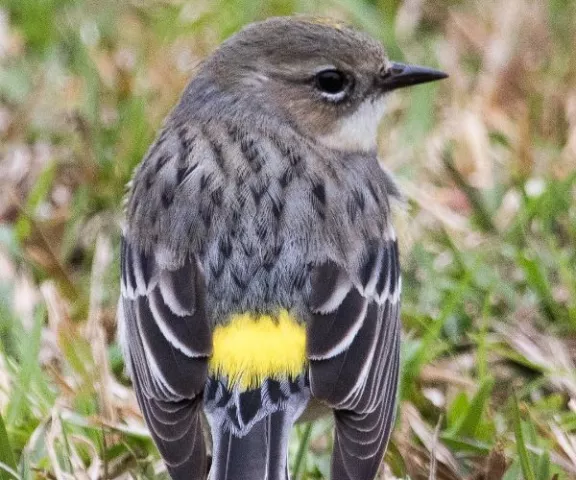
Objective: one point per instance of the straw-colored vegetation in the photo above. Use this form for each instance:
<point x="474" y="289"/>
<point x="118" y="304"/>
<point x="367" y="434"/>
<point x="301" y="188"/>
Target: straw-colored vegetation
<point x="487" y="160"/>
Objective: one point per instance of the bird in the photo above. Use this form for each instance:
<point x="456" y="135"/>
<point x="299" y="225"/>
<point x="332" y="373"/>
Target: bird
<point x="259" y="263"/>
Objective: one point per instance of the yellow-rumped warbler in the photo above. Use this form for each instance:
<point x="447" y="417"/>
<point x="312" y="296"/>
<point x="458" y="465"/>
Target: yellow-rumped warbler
<point x="259" y="265"/>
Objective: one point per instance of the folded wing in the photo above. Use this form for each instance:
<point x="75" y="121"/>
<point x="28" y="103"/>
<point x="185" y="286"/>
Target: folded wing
<point x="166" y="340"/>
<point x="353" y="347"/>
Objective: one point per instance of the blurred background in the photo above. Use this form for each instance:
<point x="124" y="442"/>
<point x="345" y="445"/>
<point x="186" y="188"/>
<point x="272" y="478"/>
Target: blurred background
<point x="487" y="160"/>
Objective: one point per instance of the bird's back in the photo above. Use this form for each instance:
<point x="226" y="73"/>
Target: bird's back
<point x="259" y="210"/>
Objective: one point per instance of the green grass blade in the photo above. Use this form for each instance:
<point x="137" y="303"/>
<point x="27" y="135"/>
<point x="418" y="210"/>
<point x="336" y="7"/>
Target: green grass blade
<point x="302" y="449"/>
<point x="7" y="461"/>
<point x="470" y="422"/>
<point x="525" y="462"/>
<point x="543" y="470"/>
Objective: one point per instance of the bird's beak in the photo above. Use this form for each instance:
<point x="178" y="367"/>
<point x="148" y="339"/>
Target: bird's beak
<point x="400" y="75"/>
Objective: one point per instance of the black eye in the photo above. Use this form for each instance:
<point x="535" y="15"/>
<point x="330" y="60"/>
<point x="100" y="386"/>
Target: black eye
<point x="331" y="81"/>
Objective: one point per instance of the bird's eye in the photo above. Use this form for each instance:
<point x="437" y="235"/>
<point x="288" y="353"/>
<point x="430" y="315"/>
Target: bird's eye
<point x="331" y="82"/>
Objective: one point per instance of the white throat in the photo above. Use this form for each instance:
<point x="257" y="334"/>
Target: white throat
<point x="357" y="132"/>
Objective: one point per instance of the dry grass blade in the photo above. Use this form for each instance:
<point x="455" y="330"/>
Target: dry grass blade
<point x="58" y="318"/>
<point x="433" y="445"/>
<point x="446" y="374"/>
<point x="428" y="202"/>
<point x="432" y="475"/>
<point x="567" y="443"/>
<point x="94" y="331"/>
<point x="551" y="354"/>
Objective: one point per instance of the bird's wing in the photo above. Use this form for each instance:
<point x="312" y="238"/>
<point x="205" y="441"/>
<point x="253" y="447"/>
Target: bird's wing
<point x="353" y="348"/>
<point x="166" y="339"/>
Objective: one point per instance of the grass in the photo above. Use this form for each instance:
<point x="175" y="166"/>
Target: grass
<point x="487" y="160"/>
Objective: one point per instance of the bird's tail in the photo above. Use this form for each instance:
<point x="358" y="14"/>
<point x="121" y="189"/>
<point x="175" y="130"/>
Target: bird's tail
<point x="260" y="454"/>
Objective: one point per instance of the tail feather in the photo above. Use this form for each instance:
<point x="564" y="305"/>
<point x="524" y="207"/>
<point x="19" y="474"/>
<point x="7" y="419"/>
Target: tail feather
<point x="261" y="454"/>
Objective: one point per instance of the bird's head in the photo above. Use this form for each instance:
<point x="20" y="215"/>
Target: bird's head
<point x="325" y="78"/>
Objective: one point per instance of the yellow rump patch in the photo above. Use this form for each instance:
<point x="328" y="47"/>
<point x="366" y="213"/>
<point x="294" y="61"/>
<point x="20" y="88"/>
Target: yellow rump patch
<point x="253" y="347"/>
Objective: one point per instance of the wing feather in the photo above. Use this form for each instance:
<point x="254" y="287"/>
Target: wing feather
<point x="354" y="355"/>
<point x="331" y="334"/>
<point x="167" y="339"/>
<point x="331" y="285"/>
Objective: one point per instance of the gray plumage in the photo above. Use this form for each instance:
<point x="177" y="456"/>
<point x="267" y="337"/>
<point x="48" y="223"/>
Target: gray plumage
<point x="260" y="193"/>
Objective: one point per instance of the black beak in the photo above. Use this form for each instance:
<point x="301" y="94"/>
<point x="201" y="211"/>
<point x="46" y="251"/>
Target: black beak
<point x="400" y="75"/>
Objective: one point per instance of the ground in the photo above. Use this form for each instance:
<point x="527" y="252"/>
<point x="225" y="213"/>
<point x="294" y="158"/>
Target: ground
<point x="486" y="159"/>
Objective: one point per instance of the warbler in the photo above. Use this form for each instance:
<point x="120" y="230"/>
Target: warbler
<point x="259" y="264"/>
